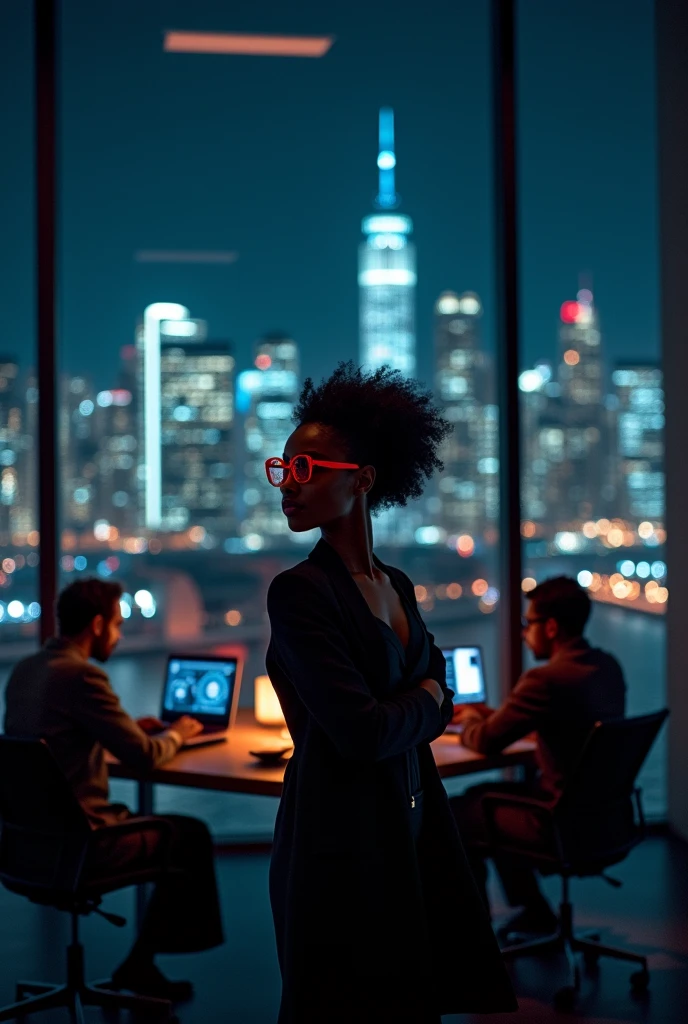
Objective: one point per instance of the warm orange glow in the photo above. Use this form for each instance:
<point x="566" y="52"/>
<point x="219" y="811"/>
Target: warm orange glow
<point x="528" y="529"/>
<point x="251" y="45"/>
<point x="33" y="538"/>
<point x="441" y="591"/>
<point x="420" y="592"/>
<point x="454" y="590"/>
<point x="645" y="530"/>
<point x="263" y="362"/>
<point x="479" y="587"/>
<point x="233" y="617"/>
<point x="571" y="357"/>
<point x="615" y="537"/>
<point x="266" y="706"/>
<point x="528" y="584"/>
<point x="465" y="545"/>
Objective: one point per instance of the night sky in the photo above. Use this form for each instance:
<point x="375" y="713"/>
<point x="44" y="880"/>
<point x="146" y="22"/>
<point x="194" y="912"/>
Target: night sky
<point x="275" y="159"/>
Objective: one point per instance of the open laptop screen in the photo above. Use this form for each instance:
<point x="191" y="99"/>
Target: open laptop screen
<point x="204" y="687"/>
<point x="465" y="674"/>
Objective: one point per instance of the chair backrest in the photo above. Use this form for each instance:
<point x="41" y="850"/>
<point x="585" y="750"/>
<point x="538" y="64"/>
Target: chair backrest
<point x="611" y="758"/>
<point x="597" y="816"/>
<point x="45" y="831"/>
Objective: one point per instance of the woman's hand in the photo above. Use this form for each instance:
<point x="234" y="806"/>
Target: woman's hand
<point x="434" y="689"/>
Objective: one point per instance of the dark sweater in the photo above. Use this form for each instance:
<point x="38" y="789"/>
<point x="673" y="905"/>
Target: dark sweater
<point x="560" y="701"/>
<point x="61" y="697"/>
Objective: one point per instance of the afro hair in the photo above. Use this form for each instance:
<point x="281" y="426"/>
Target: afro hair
<point x="385" y="420"/>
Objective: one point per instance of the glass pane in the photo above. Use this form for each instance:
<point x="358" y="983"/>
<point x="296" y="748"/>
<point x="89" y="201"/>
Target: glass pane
<point x="592" y="399"/>
<point x="19" y="547"/>
<point x="231" y="224"/>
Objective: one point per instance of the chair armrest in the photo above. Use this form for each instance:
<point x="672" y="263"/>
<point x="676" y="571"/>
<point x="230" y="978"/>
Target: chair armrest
<point x="492" y="802"/>
<point x="139" y="825"/>
<point x="516" y="800"/>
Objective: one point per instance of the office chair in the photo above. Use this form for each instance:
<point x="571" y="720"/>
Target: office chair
<point x="595" y="823"/>
<point x="45" y="843"/>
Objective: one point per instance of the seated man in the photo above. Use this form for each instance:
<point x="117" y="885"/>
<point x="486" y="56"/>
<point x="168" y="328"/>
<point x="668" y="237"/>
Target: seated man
<point x="560" y="701"/>
<point x="63" y="698"/>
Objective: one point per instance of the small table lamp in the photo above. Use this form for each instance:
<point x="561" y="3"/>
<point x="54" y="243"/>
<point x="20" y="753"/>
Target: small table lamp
<point x="266" y="706"/>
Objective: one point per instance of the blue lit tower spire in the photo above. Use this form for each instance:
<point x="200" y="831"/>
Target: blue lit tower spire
<point x="387" y="270"/>
<point x="387" y="199"/>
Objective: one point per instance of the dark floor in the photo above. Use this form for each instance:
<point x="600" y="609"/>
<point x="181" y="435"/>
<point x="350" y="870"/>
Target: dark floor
<point x="239" y="983"/>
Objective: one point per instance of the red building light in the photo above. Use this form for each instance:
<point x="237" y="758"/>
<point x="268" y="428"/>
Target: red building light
<point x="569" y="312"/>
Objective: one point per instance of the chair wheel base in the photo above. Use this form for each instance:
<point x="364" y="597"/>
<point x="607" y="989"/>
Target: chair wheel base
<point x="565" y="998"/>
<point x="640" y="980"/>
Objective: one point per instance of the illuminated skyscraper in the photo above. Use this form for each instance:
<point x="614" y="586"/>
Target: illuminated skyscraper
<point x="266" y="395"/>
<point x="148" y="344"/>
<point x="542" y="441"/>
<point x="17" y="460"/>
<point x="197" y="417"/>
<point x="469" y="485"/>
<point x="387" y="271"/>
<point x="580" y="350"/>
<point x="639" y="391"/>
<point x="580" y="486"/>
<point x="78" y="447"/>
<point x="116" y="491"/>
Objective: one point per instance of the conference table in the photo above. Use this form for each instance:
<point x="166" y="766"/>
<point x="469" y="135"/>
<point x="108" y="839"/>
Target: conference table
<point x="230" y="768"/>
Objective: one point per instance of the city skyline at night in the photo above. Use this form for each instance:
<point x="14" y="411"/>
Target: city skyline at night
<point x="244" y="202"/>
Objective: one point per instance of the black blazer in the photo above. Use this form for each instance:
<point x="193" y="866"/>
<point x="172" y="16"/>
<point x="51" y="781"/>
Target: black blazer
<point x="369" y="926"/>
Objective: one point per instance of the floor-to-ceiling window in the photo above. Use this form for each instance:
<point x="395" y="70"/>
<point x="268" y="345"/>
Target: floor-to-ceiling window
<point x="249" y="196"/>
<point x="19" y="539"/>
<point x="592" y="398"/>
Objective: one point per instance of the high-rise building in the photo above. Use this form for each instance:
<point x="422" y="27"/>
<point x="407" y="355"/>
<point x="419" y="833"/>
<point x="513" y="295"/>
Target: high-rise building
<point x="116" y="492"/>
<point x="543" y="447"/>
<point x="148" y="336"/>
<point x="579" y="489"/>
<point x="18" y="505"/>
<point x="266" y="395"/>
<point x="640" y="417"/>
<point x="469" y="485"/>
<point x="79" y="444"/>
<point x="387" y="271"/>
<point x="196" y="427"/>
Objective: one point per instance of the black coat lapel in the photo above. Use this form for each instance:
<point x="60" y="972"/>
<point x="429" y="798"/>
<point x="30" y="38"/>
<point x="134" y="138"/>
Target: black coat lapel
<point x="365" y="630"/>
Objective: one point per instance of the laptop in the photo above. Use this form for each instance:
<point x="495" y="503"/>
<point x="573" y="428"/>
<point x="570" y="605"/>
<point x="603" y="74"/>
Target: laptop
<point x="465" y="677"/>
<point x="205" y="686"/>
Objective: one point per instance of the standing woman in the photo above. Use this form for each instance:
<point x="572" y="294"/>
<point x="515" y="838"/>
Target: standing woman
<point x="377" y="917"/>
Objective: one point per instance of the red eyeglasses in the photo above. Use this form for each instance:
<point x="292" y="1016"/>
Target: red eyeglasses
<point x="301" y="468"/>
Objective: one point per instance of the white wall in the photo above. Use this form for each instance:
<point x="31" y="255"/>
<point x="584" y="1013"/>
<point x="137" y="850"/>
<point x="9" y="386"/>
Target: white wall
<point x="672" y="97"/>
